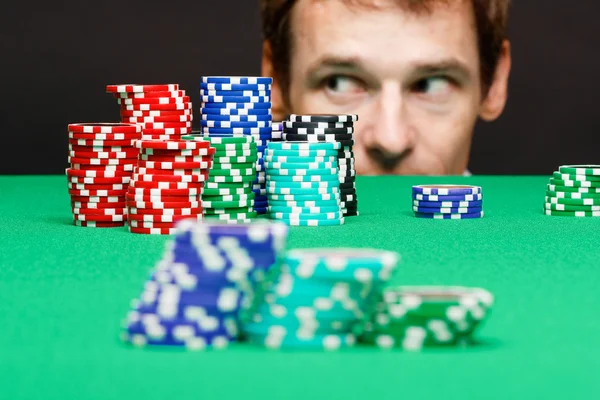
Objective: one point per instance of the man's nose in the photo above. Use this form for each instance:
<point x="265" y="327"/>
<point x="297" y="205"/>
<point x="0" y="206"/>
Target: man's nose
<point x="390" y="137"/>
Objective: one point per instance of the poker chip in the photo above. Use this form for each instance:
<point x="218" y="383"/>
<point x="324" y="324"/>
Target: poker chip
<point x="118" y="206"/>
<point x="319" y="297"/>
<point x="193" y="303"/>
<point x="95" y="193"/>
<point x="446" y="190"/>
<point x="104" y="128"/>
<point x="98" y="224"/>
<point x="572" y="195"/>
<point x="159" y="133"/>
<point x="98" y="199"/>
<point x="235" y="111"/>
<point x="156" y="178"/>
<point x="98" y="211"/>
<point x="153" y="100"/>
<point x="414" y="318"/>
<point x="160" y="119"/>
<point x="449" y="216"/>
<point x="200" y="174"/>
<point x="164" y="192"/>
<point x="236" y="118"/>
<point x="120" y="144"/>
<point x="579" y="214"/>
<point x="164" y="211"/>
<point x="237" y="131"/>
<point x="567" y="207"/>
<point x="446" y="210"/>
<point x="195" y="165"/>
<point x="238" y="106"/>
<point x="236" y="80"/>
<point x="233" y="86"/>
<point x="444" y="198"/>
<point x="333" y="133"/>
<point x="323" y="118"/>
<point x="566" y="189"/>
<point x="575" y="184"/>
<point x="100" y="218"/>
<point x="133" y="88"/>
<point x="587" y="170"/>
<point x="155" y="113"/>
<point x="143" y="95"/>
<point x="156" y="107"/>
<point x="234" y="124"/>
<point x="192" y="199"/>
<point x="175" y="159"/>
<point x="446" y="204"/>
<point x="317" y="125"/>
<point x="102" y="161"/>
<point x="166" y="185"/>
<point x="159" y="205"/>
<point x="91" y="186"/>
<point x="234" y="93"/>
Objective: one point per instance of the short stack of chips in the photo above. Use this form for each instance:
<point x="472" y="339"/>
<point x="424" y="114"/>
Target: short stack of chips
<point x="163" y="111"/>
<point x="240" y="106"/>
<point x="447" y="201"/>
<point x="302" y="183"/>
<point x="228" y="194"/>
<point x="574" y="191"/>
<point x="320" y="298"/>
<point x="330" y="128"/>
<point x="194" y="296"/>
<point x="167" y="184"/>
<point x="102" y="157"/>
<point x="412" y="318"/>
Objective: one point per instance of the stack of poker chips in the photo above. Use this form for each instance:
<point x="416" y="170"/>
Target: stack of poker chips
<point x="101" y="157"/>
<point x="447" y="201"/>
<point x="167" y="184"/>
<point x="330" y="128"/>
<point x="195" y="295"/>
<point x="412" y="318"/>
<point x="163" y="111"/>
<point x="228" y="194"/>
<point x="574" y="191"/>
<point x="320" y="298"/>
<point x="238" y="106"/>
<point x="302" y="183"/>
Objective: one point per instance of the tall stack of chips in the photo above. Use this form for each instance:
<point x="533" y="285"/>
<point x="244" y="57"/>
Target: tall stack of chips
<point x="194" y="296"/>
<point x="237" y="106"/>
<point x="101" y="157"/>
<point x="411" y="318"/>
<point x="163" y="111"/>
<point x="574" y="191"/>
<point x="167" y="184"/>
<point x="447" y="201"/>
<point x="320" y="298"/>
<point x="330" y="128"/>
<point x="302" y="183"/>
<point x="228" y="194"/>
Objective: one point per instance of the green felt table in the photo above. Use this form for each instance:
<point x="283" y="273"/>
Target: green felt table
<point x="64" y="291"/>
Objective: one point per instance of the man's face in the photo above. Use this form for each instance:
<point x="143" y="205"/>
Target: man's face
<point x="413" y="79"/>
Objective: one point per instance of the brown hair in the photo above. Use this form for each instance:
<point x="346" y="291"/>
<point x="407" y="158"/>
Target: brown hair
<point x="490" y="17"/>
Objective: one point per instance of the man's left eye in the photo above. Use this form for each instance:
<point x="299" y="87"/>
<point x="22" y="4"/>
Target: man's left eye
<point x="434" y="86"/>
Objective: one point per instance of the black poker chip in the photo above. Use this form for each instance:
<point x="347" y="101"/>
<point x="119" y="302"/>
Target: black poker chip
<point x="317" y="139"/>
<point x="324" y="118"/>
<point x="318" y="125"/>
<point x="319" y="131"/>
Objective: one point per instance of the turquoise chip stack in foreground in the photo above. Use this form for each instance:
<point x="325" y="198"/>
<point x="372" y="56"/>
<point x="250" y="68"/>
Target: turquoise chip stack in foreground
<point x="196" y="295"/>
<point x="303" y="184"/>
<point x="319" y="298"/>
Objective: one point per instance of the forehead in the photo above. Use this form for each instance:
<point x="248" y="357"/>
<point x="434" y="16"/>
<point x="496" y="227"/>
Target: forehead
<point x="385" y="30"/>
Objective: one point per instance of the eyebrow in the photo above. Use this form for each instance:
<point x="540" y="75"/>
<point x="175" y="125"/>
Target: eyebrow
<point x="446" y="65"/>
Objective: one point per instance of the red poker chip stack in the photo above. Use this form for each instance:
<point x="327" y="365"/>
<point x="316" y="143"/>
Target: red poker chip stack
<point x="102" y="158"/>
<point x="167" y="184"/>
<point x="163" y="111"/>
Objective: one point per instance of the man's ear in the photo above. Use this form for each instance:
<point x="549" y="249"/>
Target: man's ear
<point x="495" y="101"/>
<point x="279" y="108"/>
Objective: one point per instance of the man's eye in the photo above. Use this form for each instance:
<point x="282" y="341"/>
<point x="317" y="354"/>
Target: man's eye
<point x="340" y="84"/>
<point x="434" y="87"/>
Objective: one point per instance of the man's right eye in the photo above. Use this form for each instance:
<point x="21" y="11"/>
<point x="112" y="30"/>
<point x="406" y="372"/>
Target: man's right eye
<point x="343" y="85"/>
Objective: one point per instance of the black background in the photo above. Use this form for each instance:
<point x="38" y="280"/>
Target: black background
<point x="57" y="58"/>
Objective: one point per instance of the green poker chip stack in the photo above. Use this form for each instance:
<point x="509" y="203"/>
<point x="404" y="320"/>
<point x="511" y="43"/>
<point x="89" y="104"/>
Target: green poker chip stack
<point x="412" y="318"/>
<point x="228" y="194"/>
<point x="574" y="191"/>
<point x="302" y="185"/>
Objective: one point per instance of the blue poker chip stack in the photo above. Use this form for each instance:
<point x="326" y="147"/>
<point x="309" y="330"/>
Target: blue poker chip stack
<point x="447" y="201"/>
<point x="197" y="294"/>
<point x="240" y="106"/>
<point x="319" y="298"/>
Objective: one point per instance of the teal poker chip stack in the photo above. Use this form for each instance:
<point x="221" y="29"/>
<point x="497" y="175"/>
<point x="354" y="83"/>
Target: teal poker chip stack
<point x="199" y="291"/>
<point x="330" y="128"/>
<point x="319" y="298"/>
<point x="413" y="318"/>
<point x="240" y="106"/>
<point x="302" y="183"/>
<point x="228" y="194"/>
